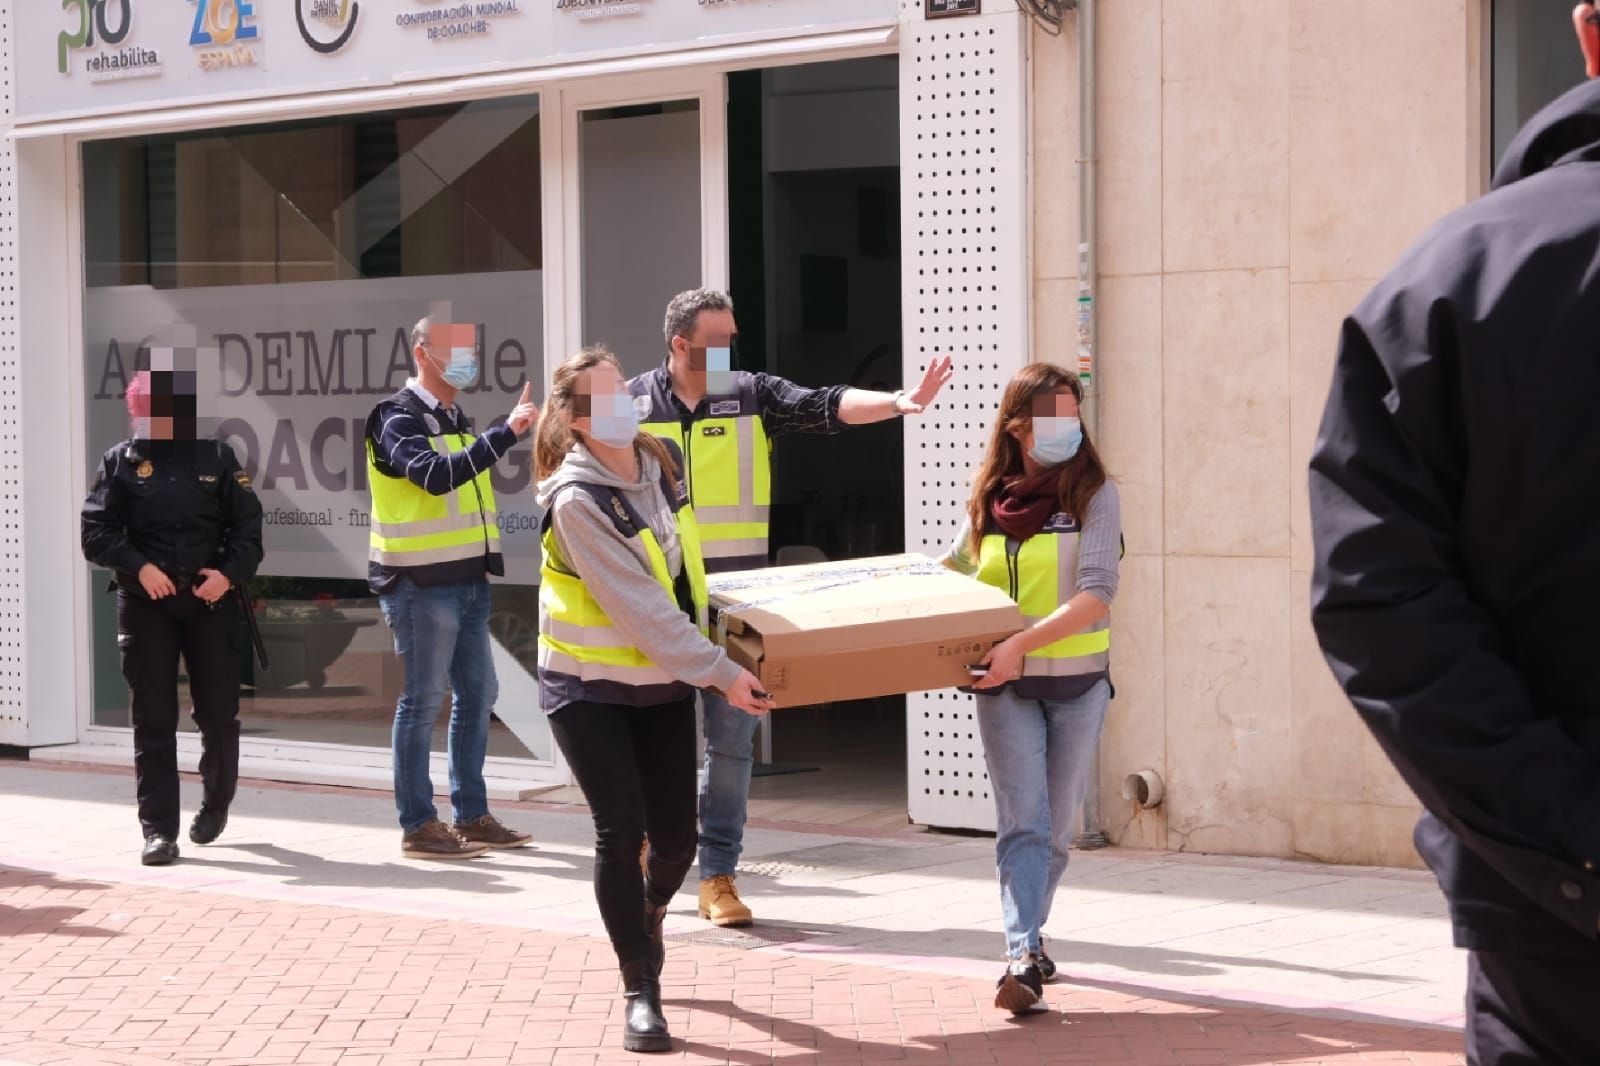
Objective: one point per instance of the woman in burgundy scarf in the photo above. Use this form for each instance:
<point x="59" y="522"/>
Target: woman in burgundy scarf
<point x="1044" y="524"/>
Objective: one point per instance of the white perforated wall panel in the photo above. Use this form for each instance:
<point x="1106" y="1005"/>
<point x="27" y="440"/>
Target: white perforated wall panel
<point x="13" y="724"/>
<point x="964" y="166"/>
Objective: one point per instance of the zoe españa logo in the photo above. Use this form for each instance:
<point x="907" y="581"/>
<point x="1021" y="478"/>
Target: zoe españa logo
<point x="226" y="33"/>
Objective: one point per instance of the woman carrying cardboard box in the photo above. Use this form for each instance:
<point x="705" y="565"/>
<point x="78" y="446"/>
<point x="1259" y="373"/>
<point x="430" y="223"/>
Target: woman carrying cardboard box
<point x="622" y="648"/>
<point x="1044" y="525"/>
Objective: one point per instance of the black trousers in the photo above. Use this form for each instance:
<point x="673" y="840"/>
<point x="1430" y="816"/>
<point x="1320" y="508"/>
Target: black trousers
<point x="1534" y="1009"/>
<point x="636" y="766"/>
<point x="151" y="634"/>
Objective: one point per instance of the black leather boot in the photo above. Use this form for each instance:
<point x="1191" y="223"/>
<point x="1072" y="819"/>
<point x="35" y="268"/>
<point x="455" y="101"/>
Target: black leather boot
<point x="159" y="851"/>
<point x="654" y="916"/>
<point x="208" y="824"/>
<point x="646" y="1028"/>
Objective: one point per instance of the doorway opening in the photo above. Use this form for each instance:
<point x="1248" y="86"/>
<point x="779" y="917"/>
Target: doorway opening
<point x="814" y="242"/>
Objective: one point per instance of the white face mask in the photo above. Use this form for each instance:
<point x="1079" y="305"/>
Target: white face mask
<point x="462" y="370"/>
<point x="1056" y="439"/>
<point x="613" y="420"/>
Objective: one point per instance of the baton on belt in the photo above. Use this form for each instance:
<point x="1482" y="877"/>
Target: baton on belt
<point x="253" y="625"/>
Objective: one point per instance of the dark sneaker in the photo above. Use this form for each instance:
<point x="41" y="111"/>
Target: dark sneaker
<point x="208" y="824"/>
<point x="1047" y="968"/>
<point x="489" y="830"/>
<point x="435" y="840"/>
<point x="1021" y="989"/>
<point x="159" y="851"/>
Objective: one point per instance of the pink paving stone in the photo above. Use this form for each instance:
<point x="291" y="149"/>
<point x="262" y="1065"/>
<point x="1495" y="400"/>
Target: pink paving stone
<point x="335" y="1003"/>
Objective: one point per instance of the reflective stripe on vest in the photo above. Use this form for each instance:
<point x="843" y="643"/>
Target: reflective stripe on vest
<point x="1046" y="577"/>
<point x="730" y="482"/>
<point x="576" y="636"/>
<point x="411" y="527"/>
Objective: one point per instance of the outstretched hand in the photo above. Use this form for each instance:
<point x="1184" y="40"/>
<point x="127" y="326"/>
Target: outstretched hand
<point x="939" y="372"/>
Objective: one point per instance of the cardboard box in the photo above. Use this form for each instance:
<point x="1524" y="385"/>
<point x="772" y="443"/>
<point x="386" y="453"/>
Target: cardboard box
<point x="859" y="628"/>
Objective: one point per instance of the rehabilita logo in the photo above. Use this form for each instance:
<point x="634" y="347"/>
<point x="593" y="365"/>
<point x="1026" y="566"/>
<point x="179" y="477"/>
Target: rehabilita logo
<point x="122" y="63"/>
<point x="91" y="17"/>
<point x="224" y="30"/>
<point x="339" y="16"/>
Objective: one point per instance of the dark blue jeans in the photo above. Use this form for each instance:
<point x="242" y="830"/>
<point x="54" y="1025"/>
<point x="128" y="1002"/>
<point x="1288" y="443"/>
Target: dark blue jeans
<point x="441" y="633"/>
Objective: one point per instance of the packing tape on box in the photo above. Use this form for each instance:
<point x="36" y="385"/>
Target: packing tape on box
<point x="853" y="575"/>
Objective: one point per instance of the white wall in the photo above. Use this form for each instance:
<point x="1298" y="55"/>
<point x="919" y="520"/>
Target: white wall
<point x="13" y="704"/>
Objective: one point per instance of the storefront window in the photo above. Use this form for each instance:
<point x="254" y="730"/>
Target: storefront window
<point x="1536" y="59"/>
<point x="294" y="260"/>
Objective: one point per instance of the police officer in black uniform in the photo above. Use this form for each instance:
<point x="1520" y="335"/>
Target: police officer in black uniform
<point x="177" y="521"/>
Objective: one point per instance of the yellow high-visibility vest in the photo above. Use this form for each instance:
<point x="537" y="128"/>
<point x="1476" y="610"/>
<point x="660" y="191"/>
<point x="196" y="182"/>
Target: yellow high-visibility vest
<point x="728" y="457"/>
<point x="427" y="535"/>
<point x="1040" y="574"/>
<point x="580" y="649"/>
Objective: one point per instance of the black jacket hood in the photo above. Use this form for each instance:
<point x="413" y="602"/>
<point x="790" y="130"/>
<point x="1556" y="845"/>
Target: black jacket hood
<point x="1565" y="131"/>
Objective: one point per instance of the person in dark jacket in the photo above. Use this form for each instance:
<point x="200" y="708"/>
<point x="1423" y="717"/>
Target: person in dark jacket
<point x="176" y="519"/>
<point x="1457" y="568"/>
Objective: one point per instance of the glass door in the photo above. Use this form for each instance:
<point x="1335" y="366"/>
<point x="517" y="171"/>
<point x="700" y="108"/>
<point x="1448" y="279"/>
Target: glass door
<point x="643" y="201"/>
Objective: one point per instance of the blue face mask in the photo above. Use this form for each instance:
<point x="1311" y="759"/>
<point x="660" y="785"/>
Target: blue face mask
<point x="1055" y="439"/>
<point x="462" y="370"/>
<point x="614" y="421"/>
<point x="719" y="371"/>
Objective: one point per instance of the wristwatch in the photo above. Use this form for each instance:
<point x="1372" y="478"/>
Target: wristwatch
<point x="894" y="401"/>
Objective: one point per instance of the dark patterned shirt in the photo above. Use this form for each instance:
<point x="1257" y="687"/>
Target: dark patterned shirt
<point x="785" y="406"/>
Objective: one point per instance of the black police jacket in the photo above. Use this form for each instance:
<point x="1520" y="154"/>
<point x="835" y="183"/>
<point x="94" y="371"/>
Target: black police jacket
<point x="1456" y="522"/>
<point x="181" y="505"/>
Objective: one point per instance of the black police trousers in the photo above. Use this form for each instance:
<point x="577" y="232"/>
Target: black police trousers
<point x="151" y="634"/>
<point x="1534" y="1009"/>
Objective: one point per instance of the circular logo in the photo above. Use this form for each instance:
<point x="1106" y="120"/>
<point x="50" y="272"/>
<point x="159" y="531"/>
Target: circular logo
<point x="326" y="16"/>
<point x="145" y="469"/>
<point x="642" y="406"/>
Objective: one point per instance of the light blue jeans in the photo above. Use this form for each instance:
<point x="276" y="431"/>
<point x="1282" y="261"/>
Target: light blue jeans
<point x="724" y="784"/>
<point x="1038" y="754"/>
<point x="441" y="634"/>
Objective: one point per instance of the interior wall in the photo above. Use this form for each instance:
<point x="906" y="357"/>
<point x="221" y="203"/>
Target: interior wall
<point x="831" y="151"/>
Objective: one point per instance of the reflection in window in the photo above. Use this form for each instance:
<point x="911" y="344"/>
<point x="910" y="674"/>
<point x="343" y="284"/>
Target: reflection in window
<point x="639" y="169"/>
<point x="286" y="235"/>
<point x="443" y="191"/>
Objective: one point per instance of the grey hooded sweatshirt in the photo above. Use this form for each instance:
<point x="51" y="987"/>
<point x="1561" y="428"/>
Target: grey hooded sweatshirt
<point x="616" y="571"/>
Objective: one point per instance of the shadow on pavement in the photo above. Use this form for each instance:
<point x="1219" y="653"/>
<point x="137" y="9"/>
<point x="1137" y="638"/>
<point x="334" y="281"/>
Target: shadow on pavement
<point x="303" y="868"/>
<point x="1258" y="1037"/>
<point x="981" y="944"/>
<point x="36" y="920"/>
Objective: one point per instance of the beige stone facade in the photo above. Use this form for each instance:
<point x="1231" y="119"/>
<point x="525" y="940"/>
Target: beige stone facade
<point x="1262" y="162"/>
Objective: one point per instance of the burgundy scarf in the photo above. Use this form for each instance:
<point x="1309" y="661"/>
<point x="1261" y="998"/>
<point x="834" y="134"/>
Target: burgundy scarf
<point x="1024" y="504"/>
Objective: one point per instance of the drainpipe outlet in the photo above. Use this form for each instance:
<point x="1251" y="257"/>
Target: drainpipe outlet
<point x="1144" y="788"/>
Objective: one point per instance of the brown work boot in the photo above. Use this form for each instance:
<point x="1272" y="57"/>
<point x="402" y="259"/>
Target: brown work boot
<point x="491" y="831"/>
<point x="435" y="840"/>
<point x="720" y="902"/>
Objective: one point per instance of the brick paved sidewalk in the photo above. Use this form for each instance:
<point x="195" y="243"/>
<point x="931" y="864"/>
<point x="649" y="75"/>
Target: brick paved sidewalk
<point x="126" y="975"/>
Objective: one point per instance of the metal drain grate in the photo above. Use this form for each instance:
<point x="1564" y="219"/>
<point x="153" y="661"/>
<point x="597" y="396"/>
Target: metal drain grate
<point x="774" y="868"/>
